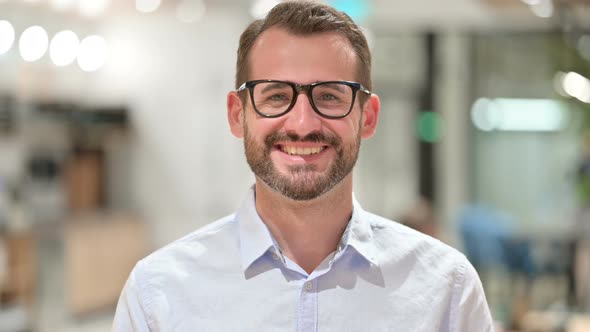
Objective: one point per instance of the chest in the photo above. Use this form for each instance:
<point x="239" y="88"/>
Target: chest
<point x="277" y="302"/>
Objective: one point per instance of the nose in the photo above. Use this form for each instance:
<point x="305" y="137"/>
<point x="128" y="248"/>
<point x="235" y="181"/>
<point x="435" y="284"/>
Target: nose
<point x="302" y="119"/>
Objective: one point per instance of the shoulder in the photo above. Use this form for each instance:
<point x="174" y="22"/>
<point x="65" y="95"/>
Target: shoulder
<point x="164" y="276"/>
<point x="392" y="233"/>
<point x="398" y="243"/>
<point x="442" y="275"/>
<point x="220" y="235"/>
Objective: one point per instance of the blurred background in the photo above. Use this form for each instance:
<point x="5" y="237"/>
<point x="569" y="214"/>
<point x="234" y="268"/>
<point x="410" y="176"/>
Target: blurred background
<point x="114" y="142"/>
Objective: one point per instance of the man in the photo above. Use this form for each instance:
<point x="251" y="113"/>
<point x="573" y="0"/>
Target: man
<point x="300" y="253"/>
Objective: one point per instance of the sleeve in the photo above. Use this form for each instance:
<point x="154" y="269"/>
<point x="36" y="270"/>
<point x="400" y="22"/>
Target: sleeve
<point x="470" y="310"/>
<point x="131" y="314"/>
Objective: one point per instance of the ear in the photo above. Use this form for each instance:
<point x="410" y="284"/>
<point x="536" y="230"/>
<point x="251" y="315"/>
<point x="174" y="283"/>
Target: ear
<point x="234" y="114"/>
<point x="370" y="116"/>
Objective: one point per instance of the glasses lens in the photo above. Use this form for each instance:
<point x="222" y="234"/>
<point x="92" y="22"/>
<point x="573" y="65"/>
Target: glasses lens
<point x="332" y="99"/>
<point x="272" y="98"/>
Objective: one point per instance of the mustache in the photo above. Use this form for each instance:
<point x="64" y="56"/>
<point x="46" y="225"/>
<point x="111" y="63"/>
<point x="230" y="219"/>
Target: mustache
<point x="313" y="137"/>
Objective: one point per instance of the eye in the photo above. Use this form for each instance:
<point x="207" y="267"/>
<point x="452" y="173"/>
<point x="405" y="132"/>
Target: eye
<point x="278" y="97"/>
<point x="328" y="97"/>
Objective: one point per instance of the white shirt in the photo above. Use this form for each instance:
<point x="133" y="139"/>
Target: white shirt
<point x="231" y="276"/>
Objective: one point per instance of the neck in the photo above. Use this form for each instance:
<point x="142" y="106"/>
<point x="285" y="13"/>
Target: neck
<point x="306" y="231"/>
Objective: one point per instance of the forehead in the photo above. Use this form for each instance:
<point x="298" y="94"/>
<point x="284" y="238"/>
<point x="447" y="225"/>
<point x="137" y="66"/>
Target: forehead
<point x="278" y="54"/>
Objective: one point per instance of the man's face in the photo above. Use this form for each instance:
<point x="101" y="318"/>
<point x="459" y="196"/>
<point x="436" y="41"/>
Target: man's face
<point x="301" y="155"/>
<point x="301" y="179"/>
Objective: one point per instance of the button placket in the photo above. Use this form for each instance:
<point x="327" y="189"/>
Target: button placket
<point x="307" y="308"/>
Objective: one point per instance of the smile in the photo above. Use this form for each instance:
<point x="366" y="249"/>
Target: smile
<point x="301" y="151"/>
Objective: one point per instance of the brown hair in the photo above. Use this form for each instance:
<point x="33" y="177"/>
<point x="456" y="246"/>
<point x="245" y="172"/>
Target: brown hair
<point x="306" y="18"/>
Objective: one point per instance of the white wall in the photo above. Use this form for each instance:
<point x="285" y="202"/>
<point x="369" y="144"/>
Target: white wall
<point x="187" y="168"/>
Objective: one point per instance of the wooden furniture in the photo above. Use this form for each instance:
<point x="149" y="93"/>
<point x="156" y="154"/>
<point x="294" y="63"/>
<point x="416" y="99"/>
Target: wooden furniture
<point x="100" y="252"/>
<point x="19" y="279"/>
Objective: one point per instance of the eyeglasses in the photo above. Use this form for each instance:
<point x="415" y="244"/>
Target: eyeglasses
<point x="331" y="99"/>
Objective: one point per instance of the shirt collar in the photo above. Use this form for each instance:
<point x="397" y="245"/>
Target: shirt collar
<point x="359" y="233"/>
<point x="256" y="239"/>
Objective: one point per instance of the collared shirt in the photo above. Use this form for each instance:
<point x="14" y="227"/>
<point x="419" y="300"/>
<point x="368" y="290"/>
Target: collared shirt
<point x="231" y="276"/>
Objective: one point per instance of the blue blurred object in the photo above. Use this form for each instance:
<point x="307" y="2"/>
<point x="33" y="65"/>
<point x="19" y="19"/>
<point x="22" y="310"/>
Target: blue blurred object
<point x="358" y="10"/>
<point x="489" y="240"/>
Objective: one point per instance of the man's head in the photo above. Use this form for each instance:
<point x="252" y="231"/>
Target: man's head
<point x="302" y="130"/>
<point x="305" y="18"/>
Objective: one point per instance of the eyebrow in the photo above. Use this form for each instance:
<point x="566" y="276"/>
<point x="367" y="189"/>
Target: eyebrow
<point x="334" y="86"/>
<point x="274" y="86"/>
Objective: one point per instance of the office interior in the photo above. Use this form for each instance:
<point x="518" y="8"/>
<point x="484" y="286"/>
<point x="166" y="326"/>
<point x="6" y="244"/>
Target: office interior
<point x="114" y="142"/>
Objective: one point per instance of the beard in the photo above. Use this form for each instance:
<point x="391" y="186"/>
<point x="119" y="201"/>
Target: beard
<point x="302" y="182"/>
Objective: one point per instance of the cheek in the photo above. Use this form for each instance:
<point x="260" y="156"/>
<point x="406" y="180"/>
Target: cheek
<point x="261" y="127"/>
<point x="346" y="129"/>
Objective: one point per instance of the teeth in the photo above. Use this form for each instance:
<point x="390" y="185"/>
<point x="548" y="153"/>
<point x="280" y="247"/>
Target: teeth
<point x="301" y="151"/>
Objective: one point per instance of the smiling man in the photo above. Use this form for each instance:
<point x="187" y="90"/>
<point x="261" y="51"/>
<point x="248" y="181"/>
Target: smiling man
<point x="300" y="253"/>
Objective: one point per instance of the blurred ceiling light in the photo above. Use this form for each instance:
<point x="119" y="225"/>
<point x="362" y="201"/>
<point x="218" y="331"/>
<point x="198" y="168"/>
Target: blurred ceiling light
<point x="544" y="8"/>
<point x="6" y="36"/>
<point x="33" y="43"/>
<point x="577" y="86"/>
<point x="92" y="53"/>
<point x="63" y="49"/>
<point x="584" y="47"/>
<point x="92" y="8"/>
<point x="62" y="5"/>
<point x="260" y="8"/>
<point x="558" y="84"/>
<point x="511" y="114"/>
<point x="147" y="6"/>
<point x="532" y="2"/>
<point x="482" y="119"/>
<point x="190" y="11"/>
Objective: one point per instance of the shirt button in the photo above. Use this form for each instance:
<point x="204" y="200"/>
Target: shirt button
<point x="308" y="286"/>
<point x="275" y="256"/>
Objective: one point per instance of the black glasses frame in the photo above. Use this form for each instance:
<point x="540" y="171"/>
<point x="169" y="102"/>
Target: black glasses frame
<point x="307" y="88"/>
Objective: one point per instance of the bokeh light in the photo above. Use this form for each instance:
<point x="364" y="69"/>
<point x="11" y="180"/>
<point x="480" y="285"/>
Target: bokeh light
<point x="429" y="127"/>
<point x="558" y="84"/>
<point x="33" y="43"/>
<point x="147" y="6"/>
<point x="543" y="8"/>
<point x="514" y="114"/>
<point x="92" y="53"/>
<point x="93" y="8"/>
<point x="63" y="49"/>
<point x="481" y="117"/>
<point x="6" y="36"/>
<point x="577" y="86"/>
